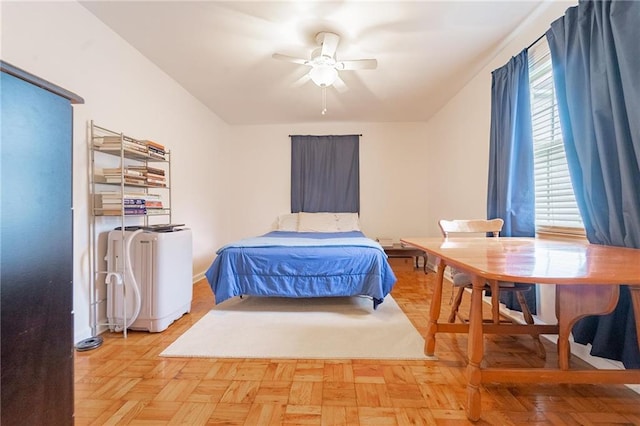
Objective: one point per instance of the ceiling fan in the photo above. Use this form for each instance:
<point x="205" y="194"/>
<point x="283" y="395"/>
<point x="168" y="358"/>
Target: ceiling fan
<point x="324" y="66"/>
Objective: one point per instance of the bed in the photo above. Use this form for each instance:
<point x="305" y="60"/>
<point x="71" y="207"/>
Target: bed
<point x="305" y="259"/>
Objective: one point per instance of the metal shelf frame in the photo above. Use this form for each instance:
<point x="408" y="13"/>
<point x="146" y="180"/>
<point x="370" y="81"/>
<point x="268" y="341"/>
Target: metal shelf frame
<point x="125" y="155"/>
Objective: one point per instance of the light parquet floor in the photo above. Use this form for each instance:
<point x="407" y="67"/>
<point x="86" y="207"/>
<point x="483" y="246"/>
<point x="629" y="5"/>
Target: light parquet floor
<point x="126" y="382"/>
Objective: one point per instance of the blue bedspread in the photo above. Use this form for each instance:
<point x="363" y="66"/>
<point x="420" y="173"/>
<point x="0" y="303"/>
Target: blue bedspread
<point x="302" y="264"/>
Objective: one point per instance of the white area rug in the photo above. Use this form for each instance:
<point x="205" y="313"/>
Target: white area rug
<point x="317" y="328"/>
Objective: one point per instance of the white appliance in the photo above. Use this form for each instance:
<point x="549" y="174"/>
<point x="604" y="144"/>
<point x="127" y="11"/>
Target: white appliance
<point x="161" y="263"/>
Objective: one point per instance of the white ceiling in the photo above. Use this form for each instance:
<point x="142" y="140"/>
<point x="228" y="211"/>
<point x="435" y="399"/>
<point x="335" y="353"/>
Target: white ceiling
<point x="221" y="52"/>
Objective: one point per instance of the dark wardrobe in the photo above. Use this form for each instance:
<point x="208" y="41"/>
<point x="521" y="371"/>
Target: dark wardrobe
<point x="36" y="288"/>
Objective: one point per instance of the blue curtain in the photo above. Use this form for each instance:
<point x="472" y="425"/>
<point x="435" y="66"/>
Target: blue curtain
<point x="510" y="194"/>
<point x="325" y="173"/>
<point x="595" y="50"/>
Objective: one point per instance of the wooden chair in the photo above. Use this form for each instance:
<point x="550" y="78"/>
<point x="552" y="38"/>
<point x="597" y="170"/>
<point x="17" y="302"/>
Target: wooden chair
<point x="462" y="281"/>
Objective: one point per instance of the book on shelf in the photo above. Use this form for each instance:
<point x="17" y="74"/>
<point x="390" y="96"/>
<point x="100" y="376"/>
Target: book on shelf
<point x="127" y="212"/>
<point x="136" y="146"/>
<point x="154" y="204"/>
<point x="151" y="212"/>
<point x="117" y="171"/>
<point x="156" y="182"/>
<point x="101" y="140"/>
<point x="132" y="212"/>
<point x="155" y="176"/>
<point x="132" y="153"/>
<point x="145" y="170"/>
<point x="155" y="171"/>
<point x="118" y="212"/>
<point x="156" y="155"/>
<point x="128" y="180"/>
<point x="154" y="144"/>
<point x="118" y="195"/>
<point x="135" y="211"/>
<point x="137" y="208"/>
<point x="134" y="202"/>
<point x="113" y="202"/>
<point x="115" y="143"/>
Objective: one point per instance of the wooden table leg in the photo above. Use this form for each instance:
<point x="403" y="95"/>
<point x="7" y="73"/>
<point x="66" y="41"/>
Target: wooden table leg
<point x="434" y="313"/>
<point x="578" y="301"/>
<point x="475" y="351"/>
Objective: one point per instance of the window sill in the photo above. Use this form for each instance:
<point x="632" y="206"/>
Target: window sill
<point x="557" y="233"/>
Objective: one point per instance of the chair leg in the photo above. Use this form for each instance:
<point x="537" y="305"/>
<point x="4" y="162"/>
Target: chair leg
<point x="528" y="318"/>
<point x="456" y="304"/>
<point x="451" y="296"/>
<point x="495" y="302"/>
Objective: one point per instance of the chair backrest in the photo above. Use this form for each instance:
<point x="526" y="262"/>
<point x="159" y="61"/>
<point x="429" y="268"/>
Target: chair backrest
<point x="475" y="226"/>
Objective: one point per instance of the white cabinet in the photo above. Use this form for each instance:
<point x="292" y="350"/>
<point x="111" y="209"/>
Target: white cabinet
<point x="161" y="265"/>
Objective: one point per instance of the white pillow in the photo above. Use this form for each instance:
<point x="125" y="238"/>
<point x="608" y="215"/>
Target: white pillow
<point x="348" y="222"/>
<point x="288" y="222"/>
<point x="328" y="222"/>
<point x="317" y="222"/>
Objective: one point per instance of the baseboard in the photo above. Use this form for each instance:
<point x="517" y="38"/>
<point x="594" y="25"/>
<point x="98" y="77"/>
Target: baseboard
<point x="198" y="277"/>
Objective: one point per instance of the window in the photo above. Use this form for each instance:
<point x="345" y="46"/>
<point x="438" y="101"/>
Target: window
<point x="556" y="209"/>
<point x="325" y="173"/>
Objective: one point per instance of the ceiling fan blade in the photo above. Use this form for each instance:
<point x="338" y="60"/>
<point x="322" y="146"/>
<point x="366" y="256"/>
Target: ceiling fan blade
<point x="329" y="43"/>
<point x="289" y="59"/>
<point x="357" y="64"/>
<point x="340" y="85"/>
<point x="301" y="81"/>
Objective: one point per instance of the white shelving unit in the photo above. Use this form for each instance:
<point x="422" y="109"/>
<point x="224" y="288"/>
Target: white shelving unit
<point x="130" y="185"/>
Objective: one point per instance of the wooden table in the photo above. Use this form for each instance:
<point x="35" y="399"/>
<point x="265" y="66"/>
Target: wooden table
<point x="588" y="277"/>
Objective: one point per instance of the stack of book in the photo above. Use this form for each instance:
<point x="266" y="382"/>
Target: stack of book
<point x="114" y="143"/>
<point x="115" y="175"/>
<point x="155" y="149"/>
<point x="153" y="176"/>
<point x="111" y="203"/>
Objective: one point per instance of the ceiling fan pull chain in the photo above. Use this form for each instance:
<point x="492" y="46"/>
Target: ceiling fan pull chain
<point x="324" y="100"/>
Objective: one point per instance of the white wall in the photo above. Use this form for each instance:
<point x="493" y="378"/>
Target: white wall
<point x="65" y="44"/>
<point x="457" y="165"/>
<point x="394" y="191"/>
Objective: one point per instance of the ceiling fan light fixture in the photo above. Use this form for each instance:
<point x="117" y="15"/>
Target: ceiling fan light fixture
<point x="323" y="75"/>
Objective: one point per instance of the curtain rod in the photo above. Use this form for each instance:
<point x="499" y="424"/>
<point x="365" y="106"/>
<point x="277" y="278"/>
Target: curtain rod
<point x="327" y="135"/>
<point x="536" y="40"/>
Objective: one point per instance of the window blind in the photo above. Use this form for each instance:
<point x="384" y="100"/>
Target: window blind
<point x="556" y="209"/>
